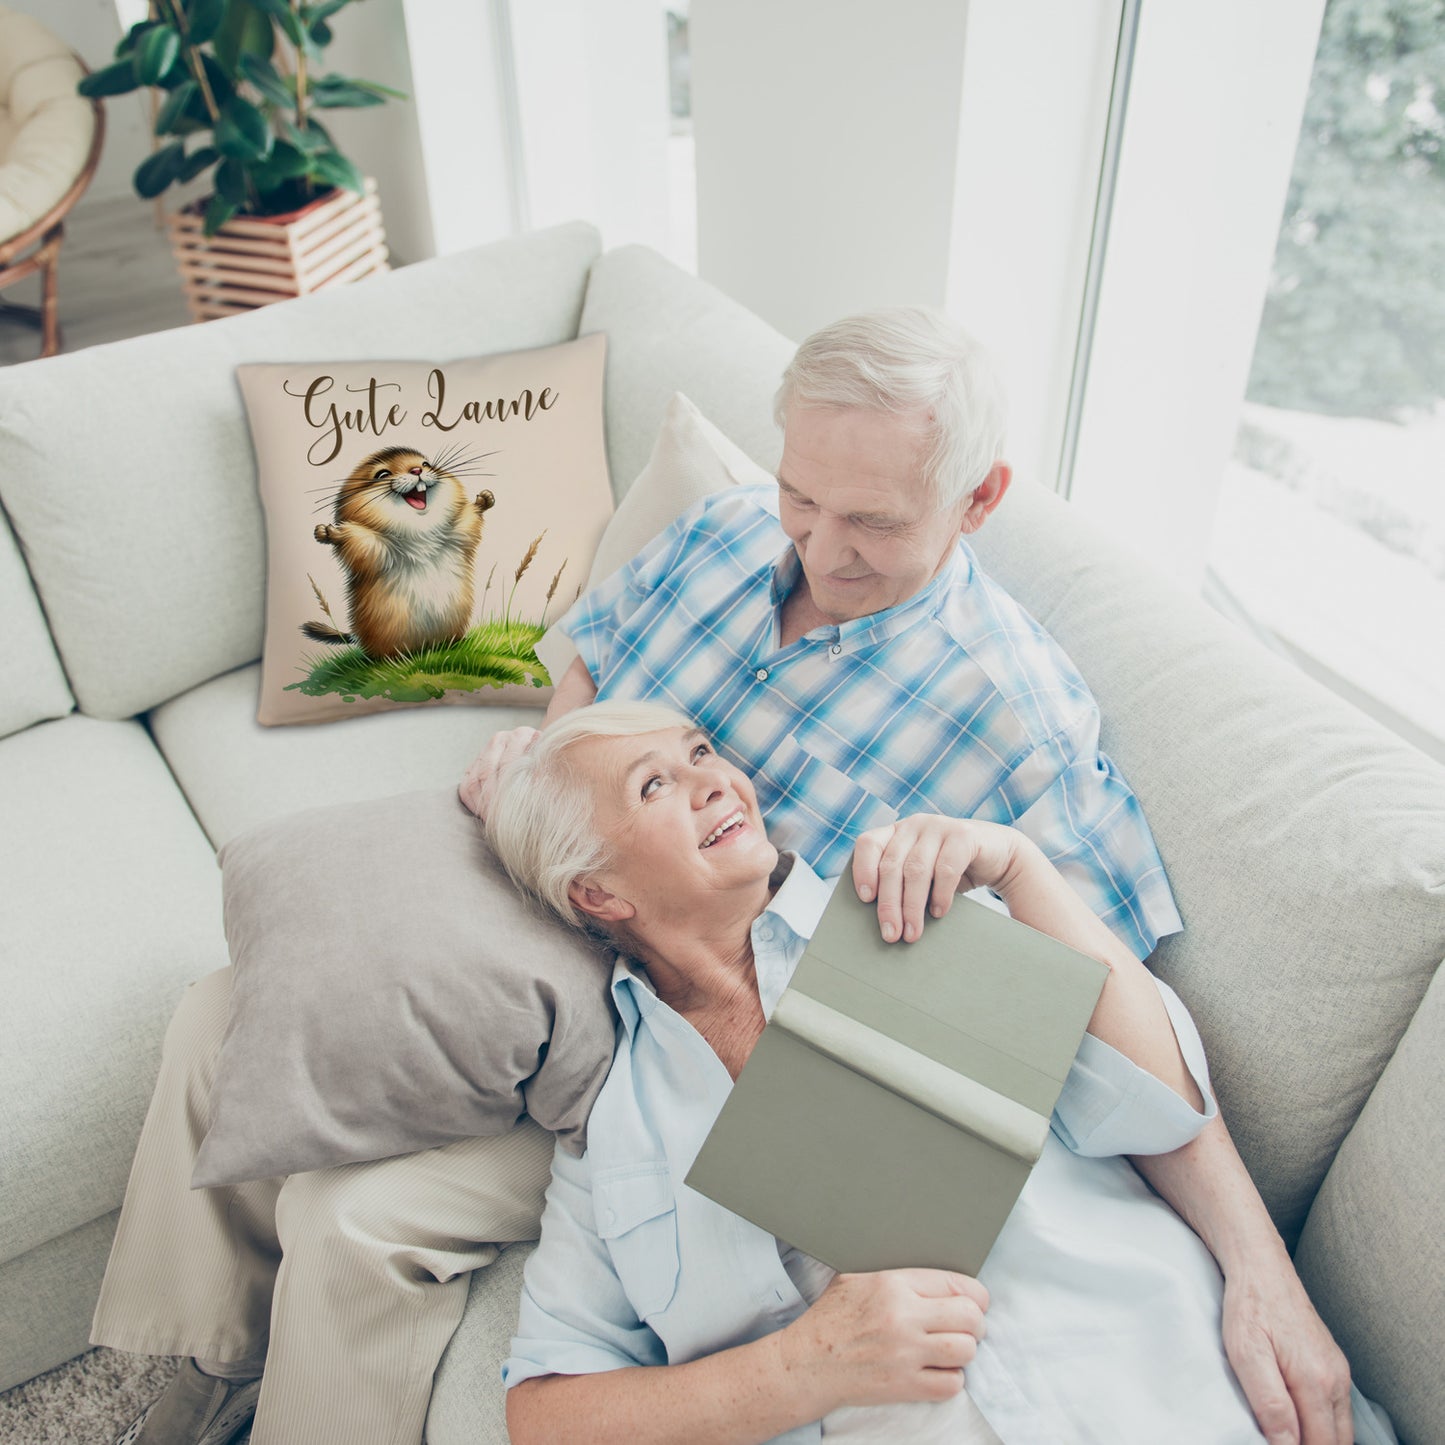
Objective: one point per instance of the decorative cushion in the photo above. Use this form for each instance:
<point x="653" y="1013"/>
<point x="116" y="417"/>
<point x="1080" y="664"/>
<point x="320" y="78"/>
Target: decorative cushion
<point x="393" y="993"/>
<point x="691" y="459"/>
<point x="36" y="687"/>
<point x="422" y="522"/>
<point x="150" y="561"/>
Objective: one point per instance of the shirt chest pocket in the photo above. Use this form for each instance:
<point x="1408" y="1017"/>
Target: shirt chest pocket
<point x="637" y="1218"/>
<point x="817" y="809"/>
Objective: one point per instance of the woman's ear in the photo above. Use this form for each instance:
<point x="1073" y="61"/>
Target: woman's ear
<point x="596" y="902"/>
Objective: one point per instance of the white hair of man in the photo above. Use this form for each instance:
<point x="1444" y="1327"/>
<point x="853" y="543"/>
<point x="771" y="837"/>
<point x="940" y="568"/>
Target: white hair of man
<point x="542" y="820"/>
<point x="908" y="360"/>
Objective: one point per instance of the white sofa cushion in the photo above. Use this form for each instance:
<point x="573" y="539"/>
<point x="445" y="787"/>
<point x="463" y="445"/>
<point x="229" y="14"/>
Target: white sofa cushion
<point x="669" y="332"/>
<point x="236" y="773"/>
<point x="35" y="686"/>
<point x="1301" y="840"/>
<point x="146" y="600"/>
<point x="110" y="906"/>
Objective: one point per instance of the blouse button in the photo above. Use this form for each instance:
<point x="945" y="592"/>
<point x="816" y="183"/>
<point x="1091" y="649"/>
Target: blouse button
<point x="761" y="674"/>
<point x="836" y="648"/>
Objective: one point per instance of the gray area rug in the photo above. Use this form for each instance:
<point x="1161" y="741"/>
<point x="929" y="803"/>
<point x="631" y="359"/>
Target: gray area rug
<point x="86" y="1402"/>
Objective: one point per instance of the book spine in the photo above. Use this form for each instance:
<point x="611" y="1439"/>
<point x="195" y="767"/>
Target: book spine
<point x="953" y="1097"/>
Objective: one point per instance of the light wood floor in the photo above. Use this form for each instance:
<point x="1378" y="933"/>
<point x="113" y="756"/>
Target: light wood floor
<point x="117" y="279"/>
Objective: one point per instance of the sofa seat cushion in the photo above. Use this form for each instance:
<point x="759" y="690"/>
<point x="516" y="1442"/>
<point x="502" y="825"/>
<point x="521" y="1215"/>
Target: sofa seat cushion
<point x="111" y="905"/>
<point x="162" y="587"/>
<point x="1301" y="840"/>
<point x="236" y="773"/>
<point x="669" y="332"/>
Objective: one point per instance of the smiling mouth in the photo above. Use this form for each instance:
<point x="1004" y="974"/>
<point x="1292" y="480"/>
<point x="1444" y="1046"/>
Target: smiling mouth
<point x="728" y="825"/>
<point x="416" y="497"/>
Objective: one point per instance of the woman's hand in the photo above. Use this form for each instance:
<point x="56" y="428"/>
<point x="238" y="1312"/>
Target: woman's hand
<point x="479" y="780"/>
<point x="899" y="1334"/>
<point x="918" y="864"/>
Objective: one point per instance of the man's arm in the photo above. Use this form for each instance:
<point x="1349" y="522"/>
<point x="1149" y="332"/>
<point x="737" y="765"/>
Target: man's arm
<point x="1295" y="1377"/>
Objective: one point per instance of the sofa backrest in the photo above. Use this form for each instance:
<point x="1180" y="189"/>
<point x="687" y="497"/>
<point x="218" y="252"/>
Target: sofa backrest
<point x="35" y="688"/>
<point x="147" y="598"/>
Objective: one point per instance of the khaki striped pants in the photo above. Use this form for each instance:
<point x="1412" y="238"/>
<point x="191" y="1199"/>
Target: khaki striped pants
<point x="350" y="1281"/>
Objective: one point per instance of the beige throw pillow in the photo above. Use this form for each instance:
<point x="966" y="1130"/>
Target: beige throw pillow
<point x="691" y="459"/>
<point x="423" y="524"/>
<point x="393" y="992"/>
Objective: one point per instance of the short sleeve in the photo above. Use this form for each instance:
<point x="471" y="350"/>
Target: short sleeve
<point x="1075" y="804"/>
<point x="595" y="620"/>
<point x="1109" y="1105"/>
<point x="575" y="1318"/>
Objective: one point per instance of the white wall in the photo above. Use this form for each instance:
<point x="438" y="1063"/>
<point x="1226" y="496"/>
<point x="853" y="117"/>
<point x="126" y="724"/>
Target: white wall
<point x="593" y="113"/>
<point x="827" y="146"/>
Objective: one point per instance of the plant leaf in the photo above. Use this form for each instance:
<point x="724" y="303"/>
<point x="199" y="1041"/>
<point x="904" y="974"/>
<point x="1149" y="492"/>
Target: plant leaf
<point x="278" y="89"/>
<point x="332" y="92"/>
<point x="287" y="163"/>
<point x="377" y="88"/>
<point x="244" y="31"/>
<point x="242" y="132"/>
<point x="333" y="168"/>
<point x="222" y="85"/>
<point x="320" y="35"/>
<point x="157" y="52"/>
<point x="203" y="19"/>
<point x="313" y="140"/>
<point x="131" y="38"/>
<point x="157" y="171"/>
<point x="173" y="111"/>
<point x="285" y="17"/>
<point x="197" y="161"/>
<point x="231" y="182"/>
<point x="218" y="212"/>
<point x="117" y="79"/>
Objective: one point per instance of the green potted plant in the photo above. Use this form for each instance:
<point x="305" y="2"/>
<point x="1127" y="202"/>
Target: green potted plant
<point x="240" y="85"/>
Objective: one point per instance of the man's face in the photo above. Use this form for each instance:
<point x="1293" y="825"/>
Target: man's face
<point x="852" y="498"/>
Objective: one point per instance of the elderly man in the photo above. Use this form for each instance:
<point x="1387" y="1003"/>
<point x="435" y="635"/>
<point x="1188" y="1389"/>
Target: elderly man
<point x="837" y="639"/>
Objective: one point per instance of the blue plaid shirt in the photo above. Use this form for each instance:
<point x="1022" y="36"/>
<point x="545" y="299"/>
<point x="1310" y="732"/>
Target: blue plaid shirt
<point x="954" y="702"/>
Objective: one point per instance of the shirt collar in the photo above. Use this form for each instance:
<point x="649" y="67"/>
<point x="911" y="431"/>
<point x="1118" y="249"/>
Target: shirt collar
<point x="782" y="928"/>
<point x="878" y="626"/>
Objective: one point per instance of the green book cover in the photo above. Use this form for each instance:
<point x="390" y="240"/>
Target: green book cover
<point x="900" y="1094"/>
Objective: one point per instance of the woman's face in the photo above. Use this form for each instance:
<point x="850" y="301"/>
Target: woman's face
<point x="681" y="823"/>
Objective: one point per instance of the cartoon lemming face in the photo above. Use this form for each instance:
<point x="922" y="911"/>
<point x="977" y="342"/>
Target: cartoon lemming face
<point x="406" y="536"/>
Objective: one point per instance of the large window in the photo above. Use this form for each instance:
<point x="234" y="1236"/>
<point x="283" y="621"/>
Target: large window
<point x="1330" y="527"/>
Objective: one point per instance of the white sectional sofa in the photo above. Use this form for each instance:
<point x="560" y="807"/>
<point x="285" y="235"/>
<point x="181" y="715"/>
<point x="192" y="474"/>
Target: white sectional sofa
<point x="1305" y="845"/>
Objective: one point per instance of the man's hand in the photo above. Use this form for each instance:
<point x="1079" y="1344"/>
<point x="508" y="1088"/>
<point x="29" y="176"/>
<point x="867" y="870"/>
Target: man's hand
<point x="1295" y="1377"/>
<point x="916" y="865"/>
<point x="479" y="780"/>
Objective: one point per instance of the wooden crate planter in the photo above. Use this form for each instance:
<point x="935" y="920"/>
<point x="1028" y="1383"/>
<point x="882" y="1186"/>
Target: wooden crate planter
<point x="255" y="260"/>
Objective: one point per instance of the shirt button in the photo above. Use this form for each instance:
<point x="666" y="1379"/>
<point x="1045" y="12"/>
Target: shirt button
<point x="836" y="648"/>
<point x="761" y="674"/>
<point x="765" y="933"/>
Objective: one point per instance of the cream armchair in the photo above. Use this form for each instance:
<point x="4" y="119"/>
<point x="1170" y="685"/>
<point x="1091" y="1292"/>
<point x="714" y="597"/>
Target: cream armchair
<point x="50" y="140"/>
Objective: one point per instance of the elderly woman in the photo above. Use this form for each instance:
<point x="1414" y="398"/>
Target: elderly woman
<point x="654" y="1314"/>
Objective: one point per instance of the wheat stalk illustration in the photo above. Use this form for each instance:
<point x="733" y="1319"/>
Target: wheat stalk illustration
<point x="521" y="568"/>
<point x="481" y="610"/>
<point x="552" y="590"/>
<point x="327" y="610"/>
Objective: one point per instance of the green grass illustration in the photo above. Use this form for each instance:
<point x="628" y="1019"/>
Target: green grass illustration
<point x="494" y="653"/>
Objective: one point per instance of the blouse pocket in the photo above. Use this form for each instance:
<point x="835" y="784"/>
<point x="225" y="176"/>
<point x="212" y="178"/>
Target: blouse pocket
<point x="637" y="1216"/>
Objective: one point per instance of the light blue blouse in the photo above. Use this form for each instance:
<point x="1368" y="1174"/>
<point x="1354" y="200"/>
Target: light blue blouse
<point x="1105" y="1316"/>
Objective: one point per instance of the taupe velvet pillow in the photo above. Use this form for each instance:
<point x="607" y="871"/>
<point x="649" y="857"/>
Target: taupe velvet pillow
<point x="393" y="992"/>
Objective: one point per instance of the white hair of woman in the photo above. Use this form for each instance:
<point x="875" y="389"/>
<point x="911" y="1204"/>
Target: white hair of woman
<point x="542" y="820"/>
<point x="908" y="360"/>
